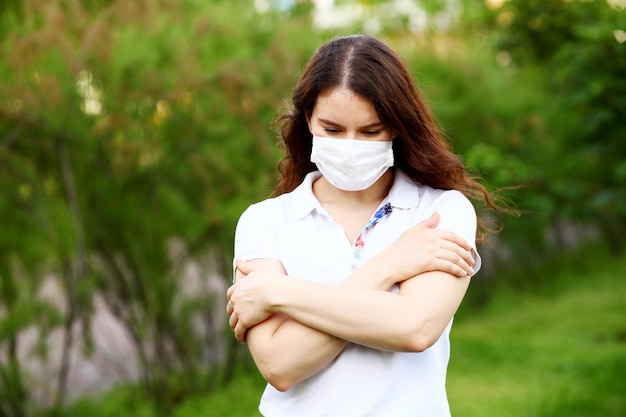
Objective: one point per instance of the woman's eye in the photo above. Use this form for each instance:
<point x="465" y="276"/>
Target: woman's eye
<point x="332" y="131"/>
<point x="372" y="132"/>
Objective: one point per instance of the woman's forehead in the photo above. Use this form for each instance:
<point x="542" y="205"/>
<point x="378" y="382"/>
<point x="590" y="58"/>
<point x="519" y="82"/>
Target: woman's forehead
<point x="343" y="106"/>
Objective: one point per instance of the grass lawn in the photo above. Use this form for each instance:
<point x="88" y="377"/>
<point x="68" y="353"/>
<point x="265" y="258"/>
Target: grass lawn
<point x="558" y="349"/>
<point x="559" y="352"/>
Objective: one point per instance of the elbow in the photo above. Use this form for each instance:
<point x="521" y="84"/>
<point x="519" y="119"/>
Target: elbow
<point x="420" y="339"/>
<point x="280" y="385"/>
<point x="280" y="371"/>
<point x="279" y="379"/>
<point x="418" y="344"/>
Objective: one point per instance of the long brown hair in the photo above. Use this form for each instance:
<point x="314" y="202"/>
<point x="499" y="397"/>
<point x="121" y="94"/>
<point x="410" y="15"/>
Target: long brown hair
<point x="369" y="68"/>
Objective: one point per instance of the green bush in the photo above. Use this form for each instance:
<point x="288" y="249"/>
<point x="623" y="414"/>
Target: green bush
<point x="134" y="134"/>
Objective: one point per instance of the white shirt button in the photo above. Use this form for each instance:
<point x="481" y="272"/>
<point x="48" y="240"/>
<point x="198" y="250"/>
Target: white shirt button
<point x="353" y="267"/>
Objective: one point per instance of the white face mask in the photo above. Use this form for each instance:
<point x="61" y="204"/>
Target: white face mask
<point x="351" y="165"/>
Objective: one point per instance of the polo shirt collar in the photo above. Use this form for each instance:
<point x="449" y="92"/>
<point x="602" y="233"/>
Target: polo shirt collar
<point x="304" y="201"/>
<point x="403" y="194"/>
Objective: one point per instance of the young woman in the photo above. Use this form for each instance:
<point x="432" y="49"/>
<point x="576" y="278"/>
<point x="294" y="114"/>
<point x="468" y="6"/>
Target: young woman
<point x="347" y="280"/>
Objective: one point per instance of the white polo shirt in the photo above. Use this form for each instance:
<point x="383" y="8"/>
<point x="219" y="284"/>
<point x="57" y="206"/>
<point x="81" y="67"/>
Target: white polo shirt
<point x="295" y="229"/>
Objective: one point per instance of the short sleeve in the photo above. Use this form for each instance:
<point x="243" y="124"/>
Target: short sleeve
<point x="458" y="215"/>
<point x="256" y="233"/>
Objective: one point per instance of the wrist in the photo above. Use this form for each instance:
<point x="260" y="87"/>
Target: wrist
<point x="277" y="293"/>
<point x="375" y="274"/>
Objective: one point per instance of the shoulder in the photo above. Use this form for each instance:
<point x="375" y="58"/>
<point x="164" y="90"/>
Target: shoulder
<point x="407" y="193"/>
<point x="257" y="229"/>
<point x="437" y="197"/>
<point x="265" y="210"/>
<point x="457" y="211"/>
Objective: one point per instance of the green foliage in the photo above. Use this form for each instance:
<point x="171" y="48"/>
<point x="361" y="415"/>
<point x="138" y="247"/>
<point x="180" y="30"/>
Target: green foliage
<point x="580" y="46"/>
<point x="133" y="136"/>
<point x="501" y="122"/>
<point x="541" y="112"/>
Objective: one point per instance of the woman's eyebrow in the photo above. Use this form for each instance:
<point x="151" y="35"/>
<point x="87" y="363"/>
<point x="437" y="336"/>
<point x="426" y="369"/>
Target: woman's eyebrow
<point x="368" y="126"/>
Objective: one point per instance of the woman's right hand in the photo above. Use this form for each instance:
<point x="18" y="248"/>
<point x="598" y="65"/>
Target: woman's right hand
<point x="422" y="248"/>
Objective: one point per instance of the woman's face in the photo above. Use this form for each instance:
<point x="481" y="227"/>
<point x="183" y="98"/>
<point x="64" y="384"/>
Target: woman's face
<point x="342" y="114"/>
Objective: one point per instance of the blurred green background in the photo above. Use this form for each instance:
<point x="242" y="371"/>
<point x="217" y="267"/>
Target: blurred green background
<point x="134" y="133"/>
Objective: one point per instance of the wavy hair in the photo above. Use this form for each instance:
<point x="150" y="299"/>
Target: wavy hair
<point x="369" y="68"/>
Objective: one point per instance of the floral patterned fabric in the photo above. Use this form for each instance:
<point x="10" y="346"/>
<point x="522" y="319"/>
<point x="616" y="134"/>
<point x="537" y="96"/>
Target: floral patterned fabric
<point x="359" y="242"/>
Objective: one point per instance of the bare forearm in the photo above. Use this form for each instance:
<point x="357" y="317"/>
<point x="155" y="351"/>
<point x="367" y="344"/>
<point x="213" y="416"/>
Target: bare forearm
<point x="359" y="315"/>
<point x="291" y="352"/>
<point x="316" y="320"/>
<point x="410" y="321"/>
<point x="287" y="351"/>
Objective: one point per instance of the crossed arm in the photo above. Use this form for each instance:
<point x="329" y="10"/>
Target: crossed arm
<point x="294" y="327"/>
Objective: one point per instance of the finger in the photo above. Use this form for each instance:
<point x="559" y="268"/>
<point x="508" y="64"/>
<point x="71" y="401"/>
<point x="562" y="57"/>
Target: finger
<point x="243" y="266"/>
<point x="431" y="222"/>
<point x="240" y="333"/>
<point x="230" y="291"/>
<point x="457" y="262"/>
<point x="452" y="268"/>
<point x="233" y="320"/>
<point x="454" y="238"/>
<point x="230" y="308"/>
<point x="466" y="254"/>
<point x="459" y="271"/>
<point x="464" y="265"/>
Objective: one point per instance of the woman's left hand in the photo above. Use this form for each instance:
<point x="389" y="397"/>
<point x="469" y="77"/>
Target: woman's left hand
<point x="248" y="299"/>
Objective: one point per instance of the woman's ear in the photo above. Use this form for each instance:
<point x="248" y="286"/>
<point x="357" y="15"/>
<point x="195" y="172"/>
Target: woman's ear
<point x="308" y="122"/>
